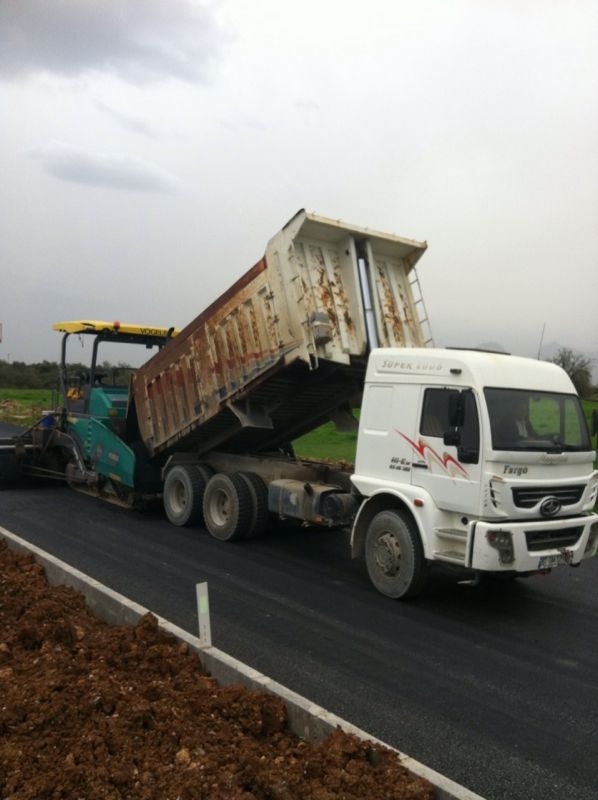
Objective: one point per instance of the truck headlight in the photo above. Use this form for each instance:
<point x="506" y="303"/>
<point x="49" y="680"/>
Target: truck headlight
<point x="503" y="542"/>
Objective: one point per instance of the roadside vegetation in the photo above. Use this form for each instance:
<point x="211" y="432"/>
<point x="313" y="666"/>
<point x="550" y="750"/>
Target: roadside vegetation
<point x="24" y="406"/>
<point x="579" y="368"/>
<point x="327" y="443"/>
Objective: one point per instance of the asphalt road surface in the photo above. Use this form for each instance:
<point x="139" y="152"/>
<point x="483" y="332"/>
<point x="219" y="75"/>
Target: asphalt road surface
<point x="494" y="686"/>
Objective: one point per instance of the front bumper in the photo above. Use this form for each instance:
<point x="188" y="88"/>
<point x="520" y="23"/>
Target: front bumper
<point x="534" y="545"/>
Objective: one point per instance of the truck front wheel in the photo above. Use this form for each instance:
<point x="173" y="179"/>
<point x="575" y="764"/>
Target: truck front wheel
<point x="394" y="555"/>
<point x="184" y="488"/>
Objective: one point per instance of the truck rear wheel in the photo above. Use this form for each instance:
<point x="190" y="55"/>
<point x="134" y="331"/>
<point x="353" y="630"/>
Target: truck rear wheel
<point x="259" y="504"/>
<point x="184" y="488"/>
<point x="394" y="555"/>
<point x="227" y="507"/>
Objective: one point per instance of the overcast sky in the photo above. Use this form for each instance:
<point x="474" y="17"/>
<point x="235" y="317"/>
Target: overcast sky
<point x="150" y="148"/>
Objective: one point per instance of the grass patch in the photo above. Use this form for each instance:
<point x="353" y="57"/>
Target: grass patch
<point x="24" y="406"/>
<point x="327" y="443"/>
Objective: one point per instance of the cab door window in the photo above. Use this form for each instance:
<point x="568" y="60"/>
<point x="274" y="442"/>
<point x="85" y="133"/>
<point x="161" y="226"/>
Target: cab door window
<point x="435" y="413"/>
<point x="436" y="420"/>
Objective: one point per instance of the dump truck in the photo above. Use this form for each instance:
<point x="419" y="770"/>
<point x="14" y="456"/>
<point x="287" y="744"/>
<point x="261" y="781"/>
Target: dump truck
<point x="330" y="320"/>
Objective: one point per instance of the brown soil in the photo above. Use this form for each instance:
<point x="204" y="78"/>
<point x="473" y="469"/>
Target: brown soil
<point x="93" y="711"/>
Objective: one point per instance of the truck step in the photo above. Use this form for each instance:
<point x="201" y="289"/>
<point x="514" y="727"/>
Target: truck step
<point x="450" y="556"/>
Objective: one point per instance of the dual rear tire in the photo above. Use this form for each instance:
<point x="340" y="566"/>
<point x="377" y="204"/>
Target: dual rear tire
<point x="231" y="506"/>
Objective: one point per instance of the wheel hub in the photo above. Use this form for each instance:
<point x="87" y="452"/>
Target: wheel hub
<point x="221" y="508"/>
<point x="388" y="554"/>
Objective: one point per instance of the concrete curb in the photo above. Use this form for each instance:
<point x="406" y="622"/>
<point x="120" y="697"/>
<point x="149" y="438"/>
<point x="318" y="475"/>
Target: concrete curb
<point x="306" y="719"/>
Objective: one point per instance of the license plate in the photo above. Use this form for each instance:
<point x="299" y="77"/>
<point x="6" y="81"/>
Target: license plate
<point x="564" y="557"/>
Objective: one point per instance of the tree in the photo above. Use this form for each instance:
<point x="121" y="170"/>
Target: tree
<point x="578" y="367"/>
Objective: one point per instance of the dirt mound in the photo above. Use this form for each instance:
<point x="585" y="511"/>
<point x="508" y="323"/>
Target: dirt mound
<point x="93" y="711"/>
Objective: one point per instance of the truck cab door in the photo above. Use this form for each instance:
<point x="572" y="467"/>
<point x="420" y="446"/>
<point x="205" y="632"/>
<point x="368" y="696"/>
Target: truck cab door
<point x="446" y="458"/>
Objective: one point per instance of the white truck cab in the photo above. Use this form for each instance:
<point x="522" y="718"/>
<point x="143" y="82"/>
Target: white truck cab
<point x="477" y="459"/>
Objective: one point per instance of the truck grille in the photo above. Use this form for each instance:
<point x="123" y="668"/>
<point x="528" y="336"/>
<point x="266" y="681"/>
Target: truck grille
<point x="549" y="540"/>
<point x="530" y="496"/>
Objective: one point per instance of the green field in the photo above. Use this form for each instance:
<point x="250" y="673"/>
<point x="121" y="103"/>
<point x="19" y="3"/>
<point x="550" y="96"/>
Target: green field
<point x="24" y="406"/>
<point x="327" y="443"/>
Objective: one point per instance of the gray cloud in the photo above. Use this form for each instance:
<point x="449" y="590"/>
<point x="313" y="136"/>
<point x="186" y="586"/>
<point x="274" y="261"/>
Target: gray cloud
<point x="307" y="105"/>
<point x="76" y="165"/>
<point x="128" y="121"/>
<point x="138" y="41"/>
<point x="240" y="121"/>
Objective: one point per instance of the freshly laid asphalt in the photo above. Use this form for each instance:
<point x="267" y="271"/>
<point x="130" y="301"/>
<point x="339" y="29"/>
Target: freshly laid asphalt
<point x="493" y="686"/>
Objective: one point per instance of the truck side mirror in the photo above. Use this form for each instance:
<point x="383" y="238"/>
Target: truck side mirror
<point x="452" y="438"/>
<point x="594" y="421"/>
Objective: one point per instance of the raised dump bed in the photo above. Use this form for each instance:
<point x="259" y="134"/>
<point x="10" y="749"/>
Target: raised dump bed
<point x="285" y="348"/>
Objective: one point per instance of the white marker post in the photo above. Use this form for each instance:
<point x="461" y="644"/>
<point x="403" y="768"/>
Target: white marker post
<point x="203" y="614"/>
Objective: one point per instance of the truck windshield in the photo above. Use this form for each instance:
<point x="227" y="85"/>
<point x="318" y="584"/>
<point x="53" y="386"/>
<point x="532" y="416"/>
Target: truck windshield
<point x="544" y="421"/>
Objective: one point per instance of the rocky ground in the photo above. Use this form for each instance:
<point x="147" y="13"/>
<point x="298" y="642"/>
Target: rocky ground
<point x="92" y="711"/>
